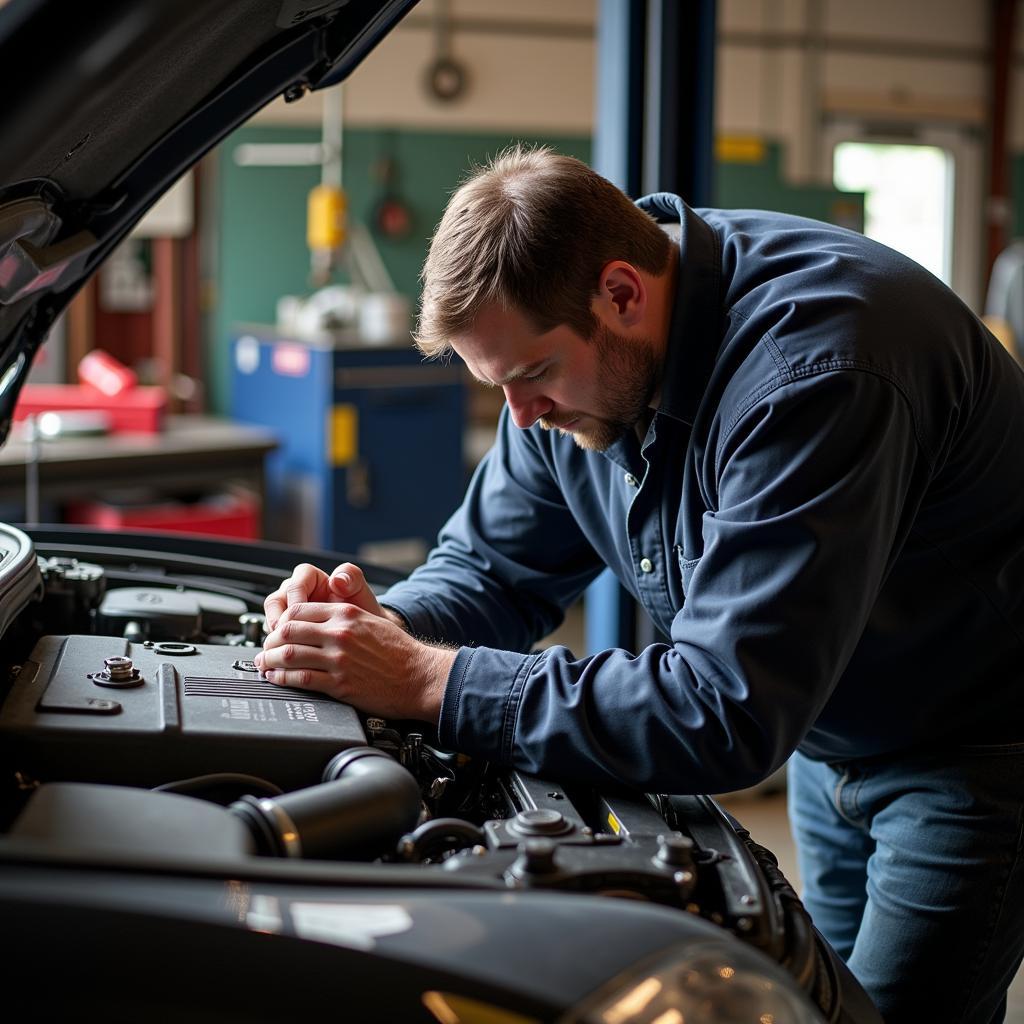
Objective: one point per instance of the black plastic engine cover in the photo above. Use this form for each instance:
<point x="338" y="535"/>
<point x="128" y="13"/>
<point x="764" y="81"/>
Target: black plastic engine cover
<point x="182" y="710"/>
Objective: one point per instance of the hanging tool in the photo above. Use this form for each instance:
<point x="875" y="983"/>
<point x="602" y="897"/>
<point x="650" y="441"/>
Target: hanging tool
<point x="446" y="77"/>
<point x="326" y="205"/>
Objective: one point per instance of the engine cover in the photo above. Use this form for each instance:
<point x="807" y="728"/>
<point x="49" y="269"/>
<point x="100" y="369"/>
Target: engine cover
<point x="103" y="709"/>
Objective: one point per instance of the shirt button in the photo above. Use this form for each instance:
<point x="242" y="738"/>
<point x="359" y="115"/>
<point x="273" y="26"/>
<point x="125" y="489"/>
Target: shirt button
<point x="646" y="565"/>
<point x="632" y="480"/>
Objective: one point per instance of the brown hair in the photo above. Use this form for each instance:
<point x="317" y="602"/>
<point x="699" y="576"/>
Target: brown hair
<point x="532" y="231"/>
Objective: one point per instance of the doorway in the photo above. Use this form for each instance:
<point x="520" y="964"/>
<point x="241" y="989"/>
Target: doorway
<point x="922" y="194"/>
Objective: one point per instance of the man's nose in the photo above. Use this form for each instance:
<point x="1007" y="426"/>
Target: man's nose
<point x="526" y="409"/>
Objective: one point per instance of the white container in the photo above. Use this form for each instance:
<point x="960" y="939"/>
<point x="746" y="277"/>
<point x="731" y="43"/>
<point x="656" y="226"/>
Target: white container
<point x="384" y="319"/>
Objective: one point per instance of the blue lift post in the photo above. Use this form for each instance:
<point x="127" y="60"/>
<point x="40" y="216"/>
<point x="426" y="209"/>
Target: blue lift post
<point x="653" y="132"/>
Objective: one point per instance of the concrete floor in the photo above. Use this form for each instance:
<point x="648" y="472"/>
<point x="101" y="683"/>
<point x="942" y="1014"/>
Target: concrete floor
<point x="764" y="815"/>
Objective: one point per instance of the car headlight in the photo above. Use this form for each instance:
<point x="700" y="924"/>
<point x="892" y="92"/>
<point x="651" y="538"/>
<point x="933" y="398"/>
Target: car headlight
<point x="701" y="983"/>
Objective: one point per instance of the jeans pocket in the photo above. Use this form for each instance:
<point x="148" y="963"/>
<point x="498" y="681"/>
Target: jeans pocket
<point x="998" y="770"/>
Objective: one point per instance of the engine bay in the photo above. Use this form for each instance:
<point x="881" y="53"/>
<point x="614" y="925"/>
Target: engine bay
<point x="107" y="709"/>
<point x="134" y="724"/>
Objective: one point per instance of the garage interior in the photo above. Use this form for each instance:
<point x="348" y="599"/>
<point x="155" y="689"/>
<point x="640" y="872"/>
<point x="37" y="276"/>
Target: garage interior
<point x="238" y="369"/>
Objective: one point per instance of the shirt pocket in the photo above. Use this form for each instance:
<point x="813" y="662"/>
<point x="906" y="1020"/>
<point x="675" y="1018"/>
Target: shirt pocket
<point x="686" y="568"/>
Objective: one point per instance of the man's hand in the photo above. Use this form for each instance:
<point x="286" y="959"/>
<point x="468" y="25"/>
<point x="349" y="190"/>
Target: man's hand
<point x="308" y="583"/>
<point x="357" y="656"/>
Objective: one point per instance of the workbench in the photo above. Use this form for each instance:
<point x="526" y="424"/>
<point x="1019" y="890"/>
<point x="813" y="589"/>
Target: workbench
<point x="190" y="453"/>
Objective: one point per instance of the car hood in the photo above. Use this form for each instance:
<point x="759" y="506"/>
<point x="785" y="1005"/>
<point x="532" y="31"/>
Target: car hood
<point x="107" y="105"/>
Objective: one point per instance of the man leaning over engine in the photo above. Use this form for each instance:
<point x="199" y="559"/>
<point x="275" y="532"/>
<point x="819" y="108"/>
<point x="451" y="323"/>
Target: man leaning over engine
<point x="800" y="453"/>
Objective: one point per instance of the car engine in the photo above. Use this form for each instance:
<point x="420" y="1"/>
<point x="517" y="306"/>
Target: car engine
<point x="133" y="719"/>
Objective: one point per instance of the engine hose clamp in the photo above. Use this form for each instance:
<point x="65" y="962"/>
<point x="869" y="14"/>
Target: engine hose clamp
<point x="284" y="827"/>
<point x="338" y="763"/>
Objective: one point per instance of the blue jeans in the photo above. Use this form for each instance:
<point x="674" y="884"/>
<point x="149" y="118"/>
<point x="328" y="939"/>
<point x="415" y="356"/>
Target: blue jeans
<point x="912" y="868"/>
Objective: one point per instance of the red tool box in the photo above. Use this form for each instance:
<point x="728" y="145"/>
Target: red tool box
<point x="138" y="409"/>
<point x="225" y="515"/>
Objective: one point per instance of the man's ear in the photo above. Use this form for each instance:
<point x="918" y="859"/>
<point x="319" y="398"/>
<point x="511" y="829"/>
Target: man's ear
<point x="622" y="295"/>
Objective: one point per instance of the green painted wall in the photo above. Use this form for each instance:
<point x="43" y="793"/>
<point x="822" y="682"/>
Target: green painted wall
<point x="261" y="214"/>
<point x="761" y="186"/>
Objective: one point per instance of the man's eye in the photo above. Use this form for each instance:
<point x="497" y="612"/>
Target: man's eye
<point x="540" y="375"/>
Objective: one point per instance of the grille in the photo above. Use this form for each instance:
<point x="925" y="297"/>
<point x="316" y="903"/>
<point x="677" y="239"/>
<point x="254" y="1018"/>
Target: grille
<point x="214" y="686"/>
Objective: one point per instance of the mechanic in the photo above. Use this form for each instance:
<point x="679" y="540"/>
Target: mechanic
<point x="800" y="452"/>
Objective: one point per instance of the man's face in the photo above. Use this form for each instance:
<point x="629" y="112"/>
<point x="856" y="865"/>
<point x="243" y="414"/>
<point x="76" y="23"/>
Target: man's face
<point x="593" y="390"/>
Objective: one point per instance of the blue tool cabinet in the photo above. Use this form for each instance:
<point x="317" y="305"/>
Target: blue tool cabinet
<point x="370" y="441"/>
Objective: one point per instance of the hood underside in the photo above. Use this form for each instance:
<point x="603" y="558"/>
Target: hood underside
<point x="107" y="105"/>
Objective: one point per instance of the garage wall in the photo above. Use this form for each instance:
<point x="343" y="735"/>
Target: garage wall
<point x="529" y="64"/>
<point x="782" y="66"/>
<point x="808" y="73"/>
<point x="787" y="69"/>
<point x="785" y="66"/>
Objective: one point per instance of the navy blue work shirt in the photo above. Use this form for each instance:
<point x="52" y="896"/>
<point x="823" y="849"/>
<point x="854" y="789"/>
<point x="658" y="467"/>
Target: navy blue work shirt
<point x="826" y="518"/>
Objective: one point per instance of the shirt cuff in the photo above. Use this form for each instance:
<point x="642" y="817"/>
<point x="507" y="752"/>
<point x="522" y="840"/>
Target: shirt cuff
<point x="406" y="624"/>
<point x="481" y="702"/>
<point x="418" y="617"/>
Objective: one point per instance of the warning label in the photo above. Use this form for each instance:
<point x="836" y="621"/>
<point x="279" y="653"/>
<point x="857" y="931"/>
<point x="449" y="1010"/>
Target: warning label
<point x="301" y="711"/>
<point x="238" y="709"/>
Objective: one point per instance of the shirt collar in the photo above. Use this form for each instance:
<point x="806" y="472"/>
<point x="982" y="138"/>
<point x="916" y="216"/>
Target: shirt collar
<point x="695" y="325"/>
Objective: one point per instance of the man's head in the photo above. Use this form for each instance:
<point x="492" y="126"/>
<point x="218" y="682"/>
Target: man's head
<point x="547" y="281"/>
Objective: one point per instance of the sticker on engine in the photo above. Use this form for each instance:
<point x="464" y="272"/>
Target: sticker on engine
<point x="264" y="915"/>
<point x="301" y="711"/>
<point x="355" y="925"/>
<point x="237" y="709"/>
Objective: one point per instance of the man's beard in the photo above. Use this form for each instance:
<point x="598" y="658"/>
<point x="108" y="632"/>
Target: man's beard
<point x="626" y="382"/>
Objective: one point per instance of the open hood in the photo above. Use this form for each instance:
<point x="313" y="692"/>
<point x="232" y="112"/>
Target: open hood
<point x="107" y="104"/>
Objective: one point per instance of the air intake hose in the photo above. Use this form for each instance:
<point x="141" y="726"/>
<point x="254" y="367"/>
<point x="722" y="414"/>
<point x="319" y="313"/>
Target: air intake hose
<point x="365" y="804"/>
